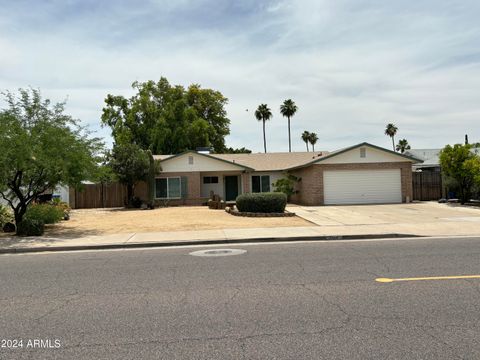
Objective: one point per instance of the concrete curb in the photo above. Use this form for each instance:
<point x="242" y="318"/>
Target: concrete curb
<point x="202" y="242"/>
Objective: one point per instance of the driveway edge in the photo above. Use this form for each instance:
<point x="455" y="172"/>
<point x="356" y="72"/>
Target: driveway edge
<point x="202" y="242"/>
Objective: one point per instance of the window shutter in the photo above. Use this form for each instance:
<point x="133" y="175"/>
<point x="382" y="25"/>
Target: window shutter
<point x="184" y="187"/>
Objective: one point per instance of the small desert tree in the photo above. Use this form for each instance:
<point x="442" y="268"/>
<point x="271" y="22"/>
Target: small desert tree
<point x="40" y="148"/>
<point x="131" y="164"/>
<point x="461" y="167"/>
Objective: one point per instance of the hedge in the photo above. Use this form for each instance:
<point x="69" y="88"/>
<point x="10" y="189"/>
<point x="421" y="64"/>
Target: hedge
<point x="273" y="202"/>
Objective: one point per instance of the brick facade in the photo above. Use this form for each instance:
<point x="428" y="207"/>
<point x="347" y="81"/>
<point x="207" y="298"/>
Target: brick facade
<point x="193" y="189"/>
<point x="310" y="188"/>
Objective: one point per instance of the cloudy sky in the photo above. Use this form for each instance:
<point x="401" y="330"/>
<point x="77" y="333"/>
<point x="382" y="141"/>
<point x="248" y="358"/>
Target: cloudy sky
<point x="351" y="66"/>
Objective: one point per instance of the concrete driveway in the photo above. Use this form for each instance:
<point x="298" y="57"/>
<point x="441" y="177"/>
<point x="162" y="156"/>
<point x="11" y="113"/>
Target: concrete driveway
<point x="425" y="218"/>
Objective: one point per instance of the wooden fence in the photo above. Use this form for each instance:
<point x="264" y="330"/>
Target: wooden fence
<point x="98" y="196"/>
<point x="427" y="185"/>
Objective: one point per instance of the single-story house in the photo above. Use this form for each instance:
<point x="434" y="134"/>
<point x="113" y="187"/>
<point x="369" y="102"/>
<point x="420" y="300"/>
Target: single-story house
<point x="360" y="174"/>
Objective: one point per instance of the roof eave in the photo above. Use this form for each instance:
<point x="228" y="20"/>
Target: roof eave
<point x="411" y="158"/>
<point x="208" y="156"/>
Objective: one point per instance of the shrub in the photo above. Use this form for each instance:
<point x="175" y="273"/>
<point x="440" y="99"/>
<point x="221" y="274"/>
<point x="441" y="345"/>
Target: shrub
<point x="136" y="202"/>
<point x="5" y="215"/>
<point x="64" y="206"/>
<point x="273" y="202"/>
<point x="46" y="213"/>
<point x="30" y="227"/>
<point x="286" y="185"/>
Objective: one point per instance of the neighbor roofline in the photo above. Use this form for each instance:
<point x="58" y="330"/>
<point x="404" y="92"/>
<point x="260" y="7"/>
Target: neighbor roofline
<point x="333" y="154"/>
<point x="208" y="156"/>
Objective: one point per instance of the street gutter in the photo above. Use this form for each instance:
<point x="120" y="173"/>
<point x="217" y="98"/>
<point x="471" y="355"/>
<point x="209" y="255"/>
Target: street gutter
<point x="20" y="250"/>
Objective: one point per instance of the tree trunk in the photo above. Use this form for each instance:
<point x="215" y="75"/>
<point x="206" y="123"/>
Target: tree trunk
<point x="289" y="138"/>
<point x="264" y="138"/>
<point x="18" y="212"/>
<point x="313" y="147"/>
<point x="306" y="143"/>
<point x="129" y="194"/>
<point x="393" y="142"/>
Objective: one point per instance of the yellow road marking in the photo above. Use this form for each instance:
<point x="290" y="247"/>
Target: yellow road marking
<point x="388" y="280"/>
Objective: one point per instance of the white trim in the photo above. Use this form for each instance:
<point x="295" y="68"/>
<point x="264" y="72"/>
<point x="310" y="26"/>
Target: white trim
<point x="168" y="191"/>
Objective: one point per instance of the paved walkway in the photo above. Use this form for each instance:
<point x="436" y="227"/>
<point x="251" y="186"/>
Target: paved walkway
<point x="425" y="219"/>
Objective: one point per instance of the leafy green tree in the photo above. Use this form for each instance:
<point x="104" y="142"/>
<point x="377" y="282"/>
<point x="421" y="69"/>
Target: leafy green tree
<point x="242" y="150"/>
<point x="41" y="147"/>
<point x="131" y="164"/>
<point x="169" y="119"/>
<point x="391" y="130"/>
<point x="312" y="139"/>
<point x="263" y="113"/>
<point x="288" y="109"/>
<point x="461" y="167"/>
<point x="306" y="138"/>
<point x="403" y="146"/>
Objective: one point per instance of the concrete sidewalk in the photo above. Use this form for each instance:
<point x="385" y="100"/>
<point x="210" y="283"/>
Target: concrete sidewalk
<point x="48" y="243"/>
<point x="352" y="222"/>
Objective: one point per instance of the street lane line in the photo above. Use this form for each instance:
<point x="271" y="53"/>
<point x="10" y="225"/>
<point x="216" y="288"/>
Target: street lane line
<point x="388" y="280"/>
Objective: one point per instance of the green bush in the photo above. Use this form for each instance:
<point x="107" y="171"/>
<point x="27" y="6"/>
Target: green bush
<point x="5" y="215"/>
<point x="136" y="202"/>
<point x="30" y="227"/>
<point x="286" y="185"/>
<point x="273" y="202"/>
<point x="46" y="213"/>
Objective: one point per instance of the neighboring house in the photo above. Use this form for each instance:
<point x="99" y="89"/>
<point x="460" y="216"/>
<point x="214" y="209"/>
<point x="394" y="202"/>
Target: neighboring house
<point x="360" y="174"/>
<point x="430" y="158"/>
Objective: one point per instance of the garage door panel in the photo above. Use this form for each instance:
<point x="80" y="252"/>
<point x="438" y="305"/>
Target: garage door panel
<point x="362" y="186"/>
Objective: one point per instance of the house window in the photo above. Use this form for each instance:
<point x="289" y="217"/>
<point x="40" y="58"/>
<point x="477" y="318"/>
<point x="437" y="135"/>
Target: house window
<point x="168" y="188"/>
<point x="260" y="183"/>
<point x="363" y="152"/>
<point x="210" y="179"/>
<point x="190" y="160"/>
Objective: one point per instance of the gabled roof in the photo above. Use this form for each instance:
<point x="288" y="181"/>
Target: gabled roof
<point x="164" y="158"/>
<point x="344" y="150"/>
<point x="271" y="161"/>
<point x="280" y="161"/>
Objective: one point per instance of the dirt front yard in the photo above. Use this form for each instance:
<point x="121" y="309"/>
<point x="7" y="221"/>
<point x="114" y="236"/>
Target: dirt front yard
<point x="111" y="221"/>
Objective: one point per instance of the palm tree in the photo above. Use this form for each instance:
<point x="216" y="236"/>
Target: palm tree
<point x="288" y="109"/>
<point x="313" y="138"/>
<point x="263" y="114"/>
<point x="306" y="137"/>
<point x="391" y="130"/>
<point x="403" y="145"/>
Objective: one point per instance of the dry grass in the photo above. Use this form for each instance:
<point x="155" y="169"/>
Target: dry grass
<point x="110" y="221"/>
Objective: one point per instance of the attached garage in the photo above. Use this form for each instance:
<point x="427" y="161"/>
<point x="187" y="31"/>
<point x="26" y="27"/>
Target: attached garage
<point x="362" y="186"/>
<point x="360" y="174"/>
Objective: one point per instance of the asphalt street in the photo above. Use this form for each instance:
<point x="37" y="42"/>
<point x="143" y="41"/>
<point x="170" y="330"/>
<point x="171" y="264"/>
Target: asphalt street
<point x="275" y="301"/>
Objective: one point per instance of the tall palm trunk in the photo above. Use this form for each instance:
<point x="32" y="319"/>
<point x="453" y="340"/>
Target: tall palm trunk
<point x="306" y="143"/>
<point x="289" y="138"/>
<point x="393" y="142"/>
<point x="313" y="147"/>
<point x="264" y="138"/>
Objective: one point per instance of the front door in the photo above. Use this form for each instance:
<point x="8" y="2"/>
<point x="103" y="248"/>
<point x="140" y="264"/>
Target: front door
<point x="231" y="188"/>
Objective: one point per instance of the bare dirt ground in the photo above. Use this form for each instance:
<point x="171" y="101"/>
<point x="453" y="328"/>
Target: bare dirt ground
<point x="111" y="221"/>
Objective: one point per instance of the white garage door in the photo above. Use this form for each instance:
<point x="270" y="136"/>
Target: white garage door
<point x="362" y="186"/>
